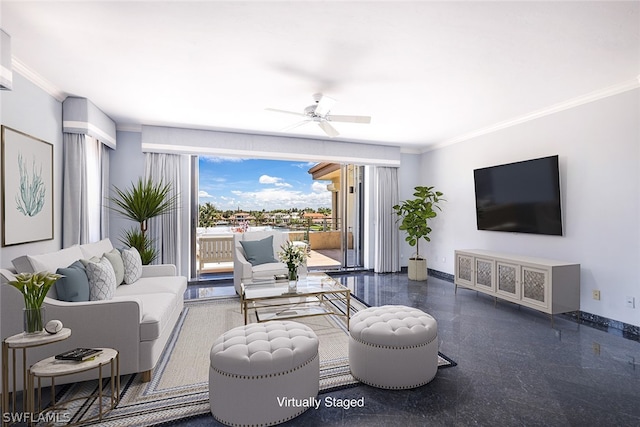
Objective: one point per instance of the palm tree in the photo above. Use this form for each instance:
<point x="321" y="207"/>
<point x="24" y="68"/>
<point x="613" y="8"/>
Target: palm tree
<point x="144" y="200"/>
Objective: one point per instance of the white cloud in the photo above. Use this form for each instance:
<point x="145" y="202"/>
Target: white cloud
<point x="319" y="187"/>
<point x="203" y="194"/>
<point x="278" y="182"/>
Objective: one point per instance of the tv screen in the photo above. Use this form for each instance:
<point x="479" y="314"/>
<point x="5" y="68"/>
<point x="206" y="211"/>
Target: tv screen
<point x="521" y="197"/>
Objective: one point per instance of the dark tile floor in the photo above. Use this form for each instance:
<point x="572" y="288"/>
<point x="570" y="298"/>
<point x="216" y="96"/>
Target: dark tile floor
<point x="514" y="368"/>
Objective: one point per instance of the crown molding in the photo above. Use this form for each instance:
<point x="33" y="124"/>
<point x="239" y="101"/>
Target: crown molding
<point x="556" y="108"/>
<point x="35" y="78"/>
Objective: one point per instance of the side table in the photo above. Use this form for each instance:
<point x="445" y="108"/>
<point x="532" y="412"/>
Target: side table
<point x="52" y="368"/>
<point x="22" y="342"/>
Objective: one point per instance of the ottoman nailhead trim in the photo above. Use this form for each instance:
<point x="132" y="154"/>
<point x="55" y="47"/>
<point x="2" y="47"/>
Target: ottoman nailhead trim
<point x="394" y="347"/>
<point x="261" y="424"/>
<point x="254" y="377"/>
<point x="394" y="388"/>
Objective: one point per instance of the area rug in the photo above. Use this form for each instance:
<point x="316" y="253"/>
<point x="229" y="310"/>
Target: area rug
<point x="179" y="386"/>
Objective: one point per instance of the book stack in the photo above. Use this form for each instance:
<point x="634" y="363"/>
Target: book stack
<point x="79" y="354"/>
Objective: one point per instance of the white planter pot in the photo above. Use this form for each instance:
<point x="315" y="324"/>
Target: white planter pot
<point x="417" y="269"/>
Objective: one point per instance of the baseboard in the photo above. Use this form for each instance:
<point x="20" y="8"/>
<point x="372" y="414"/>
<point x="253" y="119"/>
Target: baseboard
<point x="611" y="326"/>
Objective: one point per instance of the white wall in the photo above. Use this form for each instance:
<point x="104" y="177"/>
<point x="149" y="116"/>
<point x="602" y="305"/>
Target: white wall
<point x="598" y="147"/>
<point x="29" y="109"/>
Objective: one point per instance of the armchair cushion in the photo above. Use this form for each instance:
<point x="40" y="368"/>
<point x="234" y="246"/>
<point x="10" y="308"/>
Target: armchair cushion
<point x="102" y="280"/>
<point x="115" y="259"/>
<point x="259" y="251"/>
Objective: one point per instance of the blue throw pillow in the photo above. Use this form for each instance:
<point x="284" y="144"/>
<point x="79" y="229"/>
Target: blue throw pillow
<point x="259" y="251"/>
<point x="74" y="285"/>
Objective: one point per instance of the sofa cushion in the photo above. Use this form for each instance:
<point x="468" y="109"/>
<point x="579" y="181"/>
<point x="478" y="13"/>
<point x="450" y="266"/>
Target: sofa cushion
<point x="73" y="286"/>
<point x="54" y="260"/>
<point x="132" y="265"/>
<point x="115" y="259"/>
<point x="258" y="251"/>
<point x="96" y="249"/>
<point x="158" y="309"/>
<point x="102" y="280"/>
<point x="176" y="285"/>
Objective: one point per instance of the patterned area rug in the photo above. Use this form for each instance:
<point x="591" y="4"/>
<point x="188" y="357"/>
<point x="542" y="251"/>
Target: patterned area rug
<point x="179" y="386"/>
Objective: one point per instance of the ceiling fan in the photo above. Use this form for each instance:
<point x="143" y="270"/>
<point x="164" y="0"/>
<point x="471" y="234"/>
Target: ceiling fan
<point x="319" y="113"/>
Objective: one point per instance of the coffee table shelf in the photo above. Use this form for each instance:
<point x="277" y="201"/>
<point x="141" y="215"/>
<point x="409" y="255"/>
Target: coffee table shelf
<point x="314" y="297"/>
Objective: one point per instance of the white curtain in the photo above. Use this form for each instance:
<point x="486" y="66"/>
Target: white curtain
<point x="387" y="245"/>
<point x="85" y="188"/>
<point x="165" y="230"/>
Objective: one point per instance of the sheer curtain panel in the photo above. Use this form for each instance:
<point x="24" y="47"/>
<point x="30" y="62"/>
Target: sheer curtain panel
<point x="387" y="245"/>
<point x="165" y="229"/>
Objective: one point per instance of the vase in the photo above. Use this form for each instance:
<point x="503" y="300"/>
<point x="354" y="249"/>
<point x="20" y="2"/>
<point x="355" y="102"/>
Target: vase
<point x="33" y="320"/>
<point x="293" y="280"/>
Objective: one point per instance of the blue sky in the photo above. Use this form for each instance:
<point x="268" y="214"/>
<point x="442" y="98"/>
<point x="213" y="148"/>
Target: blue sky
<point x="252" y="184"/>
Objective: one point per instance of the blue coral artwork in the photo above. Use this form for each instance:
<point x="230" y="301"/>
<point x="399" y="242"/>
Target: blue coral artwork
<point x="27" y="188"/>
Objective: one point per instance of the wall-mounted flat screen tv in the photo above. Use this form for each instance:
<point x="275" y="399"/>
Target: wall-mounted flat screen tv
<point x="521" y="197"/>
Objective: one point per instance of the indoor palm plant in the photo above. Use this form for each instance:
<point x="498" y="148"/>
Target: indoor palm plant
<point x="415" y="215"/>
<point x="144" y="200"/>
<point x="34" y="287"/>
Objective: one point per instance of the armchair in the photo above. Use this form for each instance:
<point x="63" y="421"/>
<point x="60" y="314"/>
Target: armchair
<point x="261" y="263"/>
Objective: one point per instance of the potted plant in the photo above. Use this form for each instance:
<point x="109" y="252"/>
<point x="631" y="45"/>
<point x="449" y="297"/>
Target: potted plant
<point x="34" y="287"/>
<point x="144" y="200"/>
<point x="414" y="215"/>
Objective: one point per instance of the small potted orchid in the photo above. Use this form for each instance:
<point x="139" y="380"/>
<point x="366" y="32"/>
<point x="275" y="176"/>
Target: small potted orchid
<point x="34" y="287"/>
<point x="294" y="256"/>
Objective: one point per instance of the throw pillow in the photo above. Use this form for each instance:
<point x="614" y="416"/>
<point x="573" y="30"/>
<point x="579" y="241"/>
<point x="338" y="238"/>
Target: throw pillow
<point x="132" y="265"/>
<point x="115" y="259"/>
<point x="73" y="286"/>
<point x="259" y="251"/>
<point x="102" y="280"/>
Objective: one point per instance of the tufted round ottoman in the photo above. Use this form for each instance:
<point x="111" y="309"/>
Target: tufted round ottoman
<point x="262" y="374"/>
<point x="393" y="346"/>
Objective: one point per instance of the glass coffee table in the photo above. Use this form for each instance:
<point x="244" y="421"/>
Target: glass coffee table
<point x="317" y="295"/>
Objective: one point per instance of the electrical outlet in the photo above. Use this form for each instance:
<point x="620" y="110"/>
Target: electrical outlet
<point x="444" y="260"/>
<point x="630" y="302"/>
<point x="595" y="294"/>
<point x="596" y="348"/>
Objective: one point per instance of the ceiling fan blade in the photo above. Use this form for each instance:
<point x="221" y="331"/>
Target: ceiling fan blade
<point x="324" y="106"/>
<point x="349" y="119"/>
<point x="295" y="125"/>
<point x="275" y="110"/>
<point x="328" y="129"/>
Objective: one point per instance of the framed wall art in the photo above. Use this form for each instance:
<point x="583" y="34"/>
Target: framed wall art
<point x="27" y="188"/>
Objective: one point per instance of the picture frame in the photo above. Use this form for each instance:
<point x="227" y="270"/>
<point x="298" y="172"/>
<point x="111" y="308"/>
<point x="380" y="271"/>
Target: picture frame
<point x="27" y="188"/>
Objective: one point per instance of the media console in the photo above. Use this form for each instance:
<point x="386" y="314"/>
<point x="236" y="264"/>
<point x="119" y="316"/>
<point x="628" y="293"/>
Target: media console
<point x="546" y="285"/>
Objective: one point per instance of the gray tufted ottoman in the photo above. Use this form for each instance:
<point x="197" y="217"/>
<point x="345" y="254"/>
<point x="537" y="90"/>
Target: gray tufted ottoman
<point x="393" y="346"/>
<point x="261" y="374"/>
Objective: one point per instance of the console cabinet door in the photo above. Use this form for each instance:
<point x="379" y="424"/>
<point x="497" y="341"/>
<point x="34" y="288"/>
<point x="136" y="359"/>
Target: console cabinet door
<point x="535" y="286"/>
<point x="508" y="280"/>
<point x="484" y="275"/>
<point x="464" y="270"/>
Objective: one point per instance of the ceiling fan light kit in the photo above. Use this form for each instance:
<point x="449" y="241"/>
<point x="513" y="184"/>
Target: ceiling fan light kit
<point x="319" y="113"/>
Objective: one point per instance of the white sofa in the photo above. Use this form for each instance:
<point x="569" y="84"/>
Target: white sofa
<point x="245" y="272"/>
<point x="137" y="321"/>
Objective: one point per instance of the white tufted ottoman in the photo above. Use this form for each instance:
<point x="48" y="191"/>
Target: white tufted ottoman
<point x="261" y="374"/>
<point x="393" y="346"/>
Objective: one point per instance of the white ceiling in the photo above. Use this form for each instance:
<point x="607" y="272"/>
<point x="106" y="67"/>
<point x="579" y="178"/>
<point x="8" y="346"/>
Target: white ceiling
<point x="427" y="72"/>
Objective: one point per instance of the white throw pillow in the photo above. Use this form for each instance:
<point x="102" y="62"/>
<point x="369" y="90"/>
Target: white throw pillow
<point x="54" y="260"/>
<point x="132" y="265"/>
<point x="96" y="249"/>
<point x="102" y="280"/>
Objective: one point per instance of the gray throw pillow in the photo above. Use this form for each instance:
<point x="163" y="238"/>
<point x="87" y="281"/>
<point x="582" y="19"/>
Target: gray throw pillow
<point x="258" y="251"/>
<point x="73" y="286"/>
<point x="115" y="259"/>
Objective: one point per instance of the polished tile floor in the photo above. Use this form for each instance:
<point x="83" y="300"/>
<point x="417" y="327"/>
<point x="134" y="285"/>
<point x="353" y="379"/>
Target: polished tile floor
<point x="514" y="368"/>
